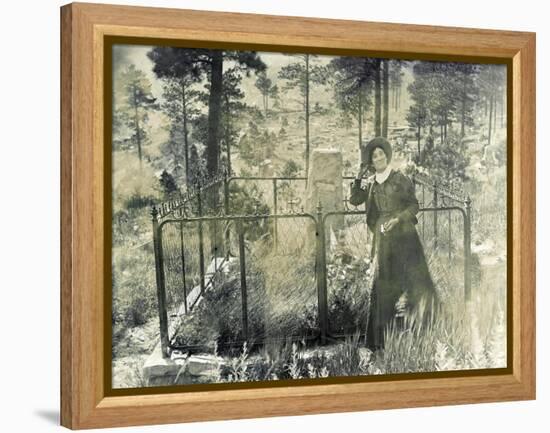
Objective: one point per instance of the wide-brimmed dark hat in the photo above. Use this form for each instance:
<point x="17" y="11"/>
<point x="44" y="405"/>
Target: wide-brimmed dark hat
<point x="366" y="151"/>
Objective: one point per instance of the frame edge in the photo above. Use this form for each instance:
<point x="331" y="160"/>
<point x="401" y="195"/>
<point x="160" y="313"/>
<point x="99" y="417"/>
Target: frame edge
<point x="527" y="221"/>
<point x="66" y="333"/>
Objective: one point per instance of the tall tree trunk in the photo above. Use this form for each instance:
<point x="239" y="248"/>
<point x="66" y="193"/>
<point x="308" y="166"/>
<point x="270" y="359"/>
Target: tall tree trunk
<point x="214" y="114"/>
<point x="138" y="131"/>
<point x="385" y="98"/>
<point x="213" y="146"/>
<point x="397" y="90"/>
<point x="398" y="97"/>
<point x="185" y="131"/>
<point x="377" y="102"/>
<point x="228" y="147"/>
<point x="307" y="116"/>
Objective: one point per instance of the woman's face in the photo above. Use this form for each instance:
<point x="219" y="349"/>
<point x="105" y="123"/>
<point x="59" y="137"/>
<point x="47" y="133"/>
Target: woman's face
<point x="379" y="160"/>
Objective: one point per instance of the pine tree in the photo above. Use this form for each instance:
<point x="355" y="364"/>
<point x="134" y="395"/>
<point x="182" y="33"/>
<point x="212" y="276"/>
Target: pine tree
<point x="168" y="184"/>
<point x="353" y="87"/>
<point x="467" y="89"/>
<point x="353" y="84"/>
<point x="232" y="108"/>
<point x="434" y="90"/>
<point x="180" y="106"/>
<point x="385" y="97"/>
<point x="418" y="115"/>
<point x="206" y="64"/>
<point x="137" y="102"/>
<point x="396" y="81"/>
<point x="491" y="81"/>
<point x="377" y="97"/>
<point x="266" y="88"/>
<point x="302" y="75"/>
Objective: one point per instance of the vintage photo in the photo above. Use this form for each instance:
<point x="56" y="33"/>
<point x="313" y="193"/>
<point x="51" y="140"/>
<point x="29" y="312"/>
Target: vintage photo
<point x="285" y="216"/>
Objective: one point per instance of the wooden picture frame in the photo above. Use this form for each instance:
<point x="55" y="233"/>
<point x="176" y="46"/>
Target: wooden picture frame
<point x="84" y="268"/>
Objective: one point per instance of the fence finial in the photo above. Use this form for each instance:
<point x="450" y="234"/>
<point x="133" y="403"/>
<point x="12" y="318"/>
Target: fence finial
<point x="154" y="212"/>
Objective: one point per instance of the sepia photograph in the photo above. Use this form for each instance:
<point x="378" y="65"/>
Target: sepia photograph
<point x="287" y="216"/>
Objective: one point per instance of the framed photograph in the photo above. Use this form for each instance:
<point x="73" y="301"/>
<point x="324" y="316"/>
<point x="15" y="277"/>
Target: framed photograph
<point x="264" y="215"/>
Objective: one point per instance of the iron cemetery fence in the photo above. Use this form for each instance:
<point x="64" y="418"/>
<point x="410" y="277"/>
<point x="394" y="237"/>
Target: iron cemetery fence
<point x="199" y="243"/>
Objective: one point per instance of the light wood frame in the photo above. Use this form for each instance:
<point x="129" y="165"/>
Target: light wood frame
<point x="84" y="403"/>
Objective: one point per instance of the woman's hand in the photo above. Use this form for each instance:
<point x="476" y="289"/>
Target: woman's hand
<point x="390" y="224"/>
<point x="361" y="172"/>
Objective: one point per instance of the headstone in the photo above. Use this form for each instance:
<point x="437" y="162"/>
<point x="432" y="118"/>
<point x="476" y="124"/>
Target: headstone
<point x="325" y="185"/>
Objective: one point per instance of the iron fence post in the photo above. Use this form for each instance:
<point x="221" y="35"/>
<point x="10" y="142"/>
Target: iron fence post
<point x="161" y="290"/>
<point x="321" y="272"/>
<point x="244" y="295"/>
<point x="467" y="249"/>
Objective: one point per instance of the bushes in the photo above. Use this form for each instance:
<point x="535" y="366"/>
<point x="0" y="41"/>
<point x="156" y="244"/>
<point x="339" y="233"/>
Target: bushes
<point x="446" y="161"/>
<point x="291" y="360"/>
<point x="216" y="321"/>
<point x="134" y="292"/>
<point x="135" y="189"/>
<point x="348" y="297"/>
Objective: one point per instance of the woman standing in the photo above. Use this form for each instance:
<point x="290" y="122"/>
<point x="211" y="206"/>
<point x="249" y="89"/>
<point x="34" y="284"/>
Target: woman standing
<point x="400" y="268"/>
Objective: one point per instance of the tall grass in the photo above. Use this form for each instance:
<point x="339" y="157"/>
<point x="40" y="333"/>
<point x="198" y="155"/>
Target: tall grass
<point x="462" y="336"/>
<point x="281" y="292"/>
<point x="283" y="302"/>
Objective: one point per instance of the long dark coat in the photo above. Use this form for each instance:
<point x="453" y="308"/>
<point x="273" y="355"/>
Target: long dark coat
<point x="398" y="257"/>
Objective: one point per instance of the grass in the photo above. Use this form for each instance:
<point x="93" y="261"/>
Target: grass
<point x="463" y="336"/>
<point x="291" y="360"/>
<point x="134" y="293"/>
<point x="282" y="302"/>
<point x="282" y="299"/>
<point x="282" y="294"/>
